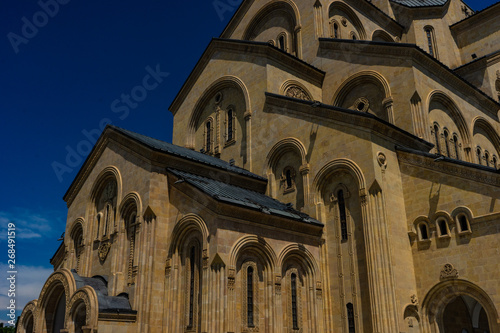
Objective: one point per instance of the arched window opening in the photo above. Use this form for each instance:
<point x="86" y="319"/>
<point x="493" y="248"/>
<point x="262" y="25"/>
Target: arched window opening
<point x="424" y="233"/>
<point x="192" y="258"/>
<point x="429" y="34"/>
<point x="98" y="226"/>
<point x="487" y="158"/>
<point x="208" y="137"/>
<point x="131" y="230"/>
<point x="436" y="139"/>
<point x="289" y="178"/>
<point x="455" y="146"/>
<point x="78" y="244"/>
<point x="350" y="318"/>
<point x="106" y="223"/>
<point x="447" y="143"/>
<point x="494" y="161"/>
<point x="294" y="301"/>
<point x="80" y="318"/>
<point x="250" y="314"/>
<point x="463" y="223"/>
<point x="479" y="155"/>
<point x="443" y="228"/>
<point x="335" y="30"/>
<point x="282" y="42"/>
<point x="342" y="215"/>
<point x="354" y="36"/>
<point x="230" y="130"/>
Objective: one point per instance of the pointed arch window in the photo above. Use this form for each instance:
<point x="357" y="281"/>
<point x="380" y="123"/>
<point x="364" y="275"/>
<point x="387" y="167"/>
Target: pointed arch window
<point x="336" y="33"/>
<point x="342" y="215"/>
<point x="282" y="42"/>
<point x="98" y="226"/>
<point x="350" y="318"/>
<point x="230" y="125"/>
<point x="494" y="161"/>
<point x="209" y="135"/>
<point x="250" y="303"/>
<point x="487" y="158"/>
<point x="288" y="179"/>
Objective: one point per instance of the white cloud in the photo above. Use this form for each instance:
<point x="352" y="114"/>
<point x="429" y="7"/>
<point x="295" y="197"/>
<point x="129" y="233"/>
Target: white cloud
<point x="29" y="283"/>
<point x="28" y="225"/>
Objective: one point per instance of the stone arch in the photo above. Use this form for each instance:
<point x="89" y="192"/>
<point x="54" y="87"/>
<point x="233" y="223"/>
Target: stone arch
<point x="59" y="283"/>
<point x="76" y="242"/>
<point x="445" y="292"/>
<point x="259" y="246"/>
<point x="290" y="9"/>
<point x="88" y="296"/>
<point x="382" y="36"/>
<point x="110" y="172"/>
<point x="227" y="81"/>
<point x="303" y="255"/>
<point x="336" y="165"/>
<point x="383" y="104"/>
<point x="283" y="146"/>
<point x="351" y="15"/>
<point x="27" y="320"/>
<point x="187" y="224"/>
<point x="454" y="113"/>
<point x="132" y="198"/>
<point x="479" y="123"/>
<point x="303" y="92"/>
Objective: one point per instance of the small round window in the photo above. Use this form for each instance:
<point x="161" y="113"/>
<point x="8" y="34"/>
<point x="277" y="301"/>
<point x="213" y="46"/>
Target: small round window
<point x="218" y="98"/>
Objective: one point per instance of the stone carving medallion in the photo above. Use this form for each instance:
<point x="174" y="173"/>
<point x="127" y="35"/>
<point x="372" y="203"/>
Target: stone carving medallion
<point x="297" y="92"/>
<point x="449" y="272"/>
<point x="104" y="251"/>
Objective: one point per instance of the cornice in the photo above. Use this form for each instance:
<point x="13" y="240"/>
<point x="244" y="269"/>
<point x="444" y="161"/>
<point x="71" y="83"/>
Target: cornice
<point x="449" y="167"/>
<point x="236" y="19"/>
<point x="299" y="67"/>
<point x="419" y="56"/>
<point x="352" y="117"/>
<point x="381" y="18"/>
<point x="480" y="63"/>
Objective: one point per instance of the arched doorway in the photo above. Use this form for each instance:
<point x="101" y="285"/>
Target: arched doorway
<point x="58" y="316"/>
<point x="80" y="317"/>
<point x="459" y="306"/>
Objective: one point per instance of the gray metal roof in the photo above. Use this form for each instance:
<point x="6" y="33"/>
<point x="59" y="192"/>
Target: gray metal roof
<point x="107" y="304"/>
<point x="242" y="197"/>
<point x="420" y="3"/>
<point x="186" y="153"/>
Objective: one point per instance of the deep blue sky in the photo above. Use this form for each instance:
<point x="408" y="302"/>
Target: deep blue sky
<point x="63" y="81"/>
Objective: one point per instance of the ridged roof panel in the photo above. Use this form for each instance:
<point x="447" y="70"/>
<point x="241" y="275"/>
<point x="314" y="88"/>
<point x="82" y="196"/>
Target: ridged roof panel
<point x="420" y="3"/>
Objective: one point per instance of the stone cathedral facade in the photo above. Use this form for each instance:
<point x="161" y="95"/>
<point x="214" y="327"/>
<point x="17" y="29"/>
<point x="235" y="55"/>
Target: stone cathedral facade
<point x="333" y="169"/>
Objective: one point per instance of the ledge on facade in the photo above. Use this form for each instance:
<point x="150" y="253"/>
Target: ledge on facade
<point x="411" y="50"/>
<point x="234" y="195"/>
<point x="450" y="166"/>
<point x="301" y="67"/>
<point x="420" y="3"/>
<point x="362" y="119"/>
<point x="489" y="12"/>
<point x="480" y="62"/>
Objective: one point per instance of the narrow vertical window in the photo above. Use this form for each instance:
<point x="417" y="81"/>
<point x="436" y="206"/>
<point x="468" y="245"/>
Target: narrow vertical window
<point x="487" y="158"/>
<point x="294" y="302"/>
<point x="250" y="321"/>
<point x="443" y="230"/>
<point x="282" y="42"/>
<point x="108" y="213"/>
<point x="447" y="143"/>
<point x="478" y="155"/>
<point x="424" y="235"/>
<point x="192" y="258"/>
<point x="343" y="215"/>
<point x="209" y="136"/>
<point x="229" y="125"/>
<point x="494" y="161"/>
<point x="455" y="145"/>
<point x="289" y="183"/>
<point x="462" y="220"/>
<point x="354" y="37"/>
<point x="335" y="30"/>
<point x="350" y="318"/>
<point x="436" y="139"/>
<point x="98" y="226"/>
<point x="430" y="41"/>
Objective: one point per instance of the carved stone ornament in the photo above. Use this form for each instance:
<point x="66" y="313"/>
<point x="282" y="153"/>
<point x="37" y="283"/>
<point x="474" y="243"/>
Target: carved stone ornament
<point x="297" y="92"/>
<point x="343" y="21"/>
<point x="414" y="300"/>
<point x="449" y="272"/>
<point x="104" y="251"/>
<point x="382" y="159"/>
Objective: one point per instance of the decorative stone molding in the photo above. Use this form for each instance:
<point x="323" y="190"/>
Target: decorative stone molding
<point x="382" y="160"/>
<point x="414" y="299"/>
<point x="297" y="92"/>
<point x="104" y="251"/>
<point x="449" y="272"/>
